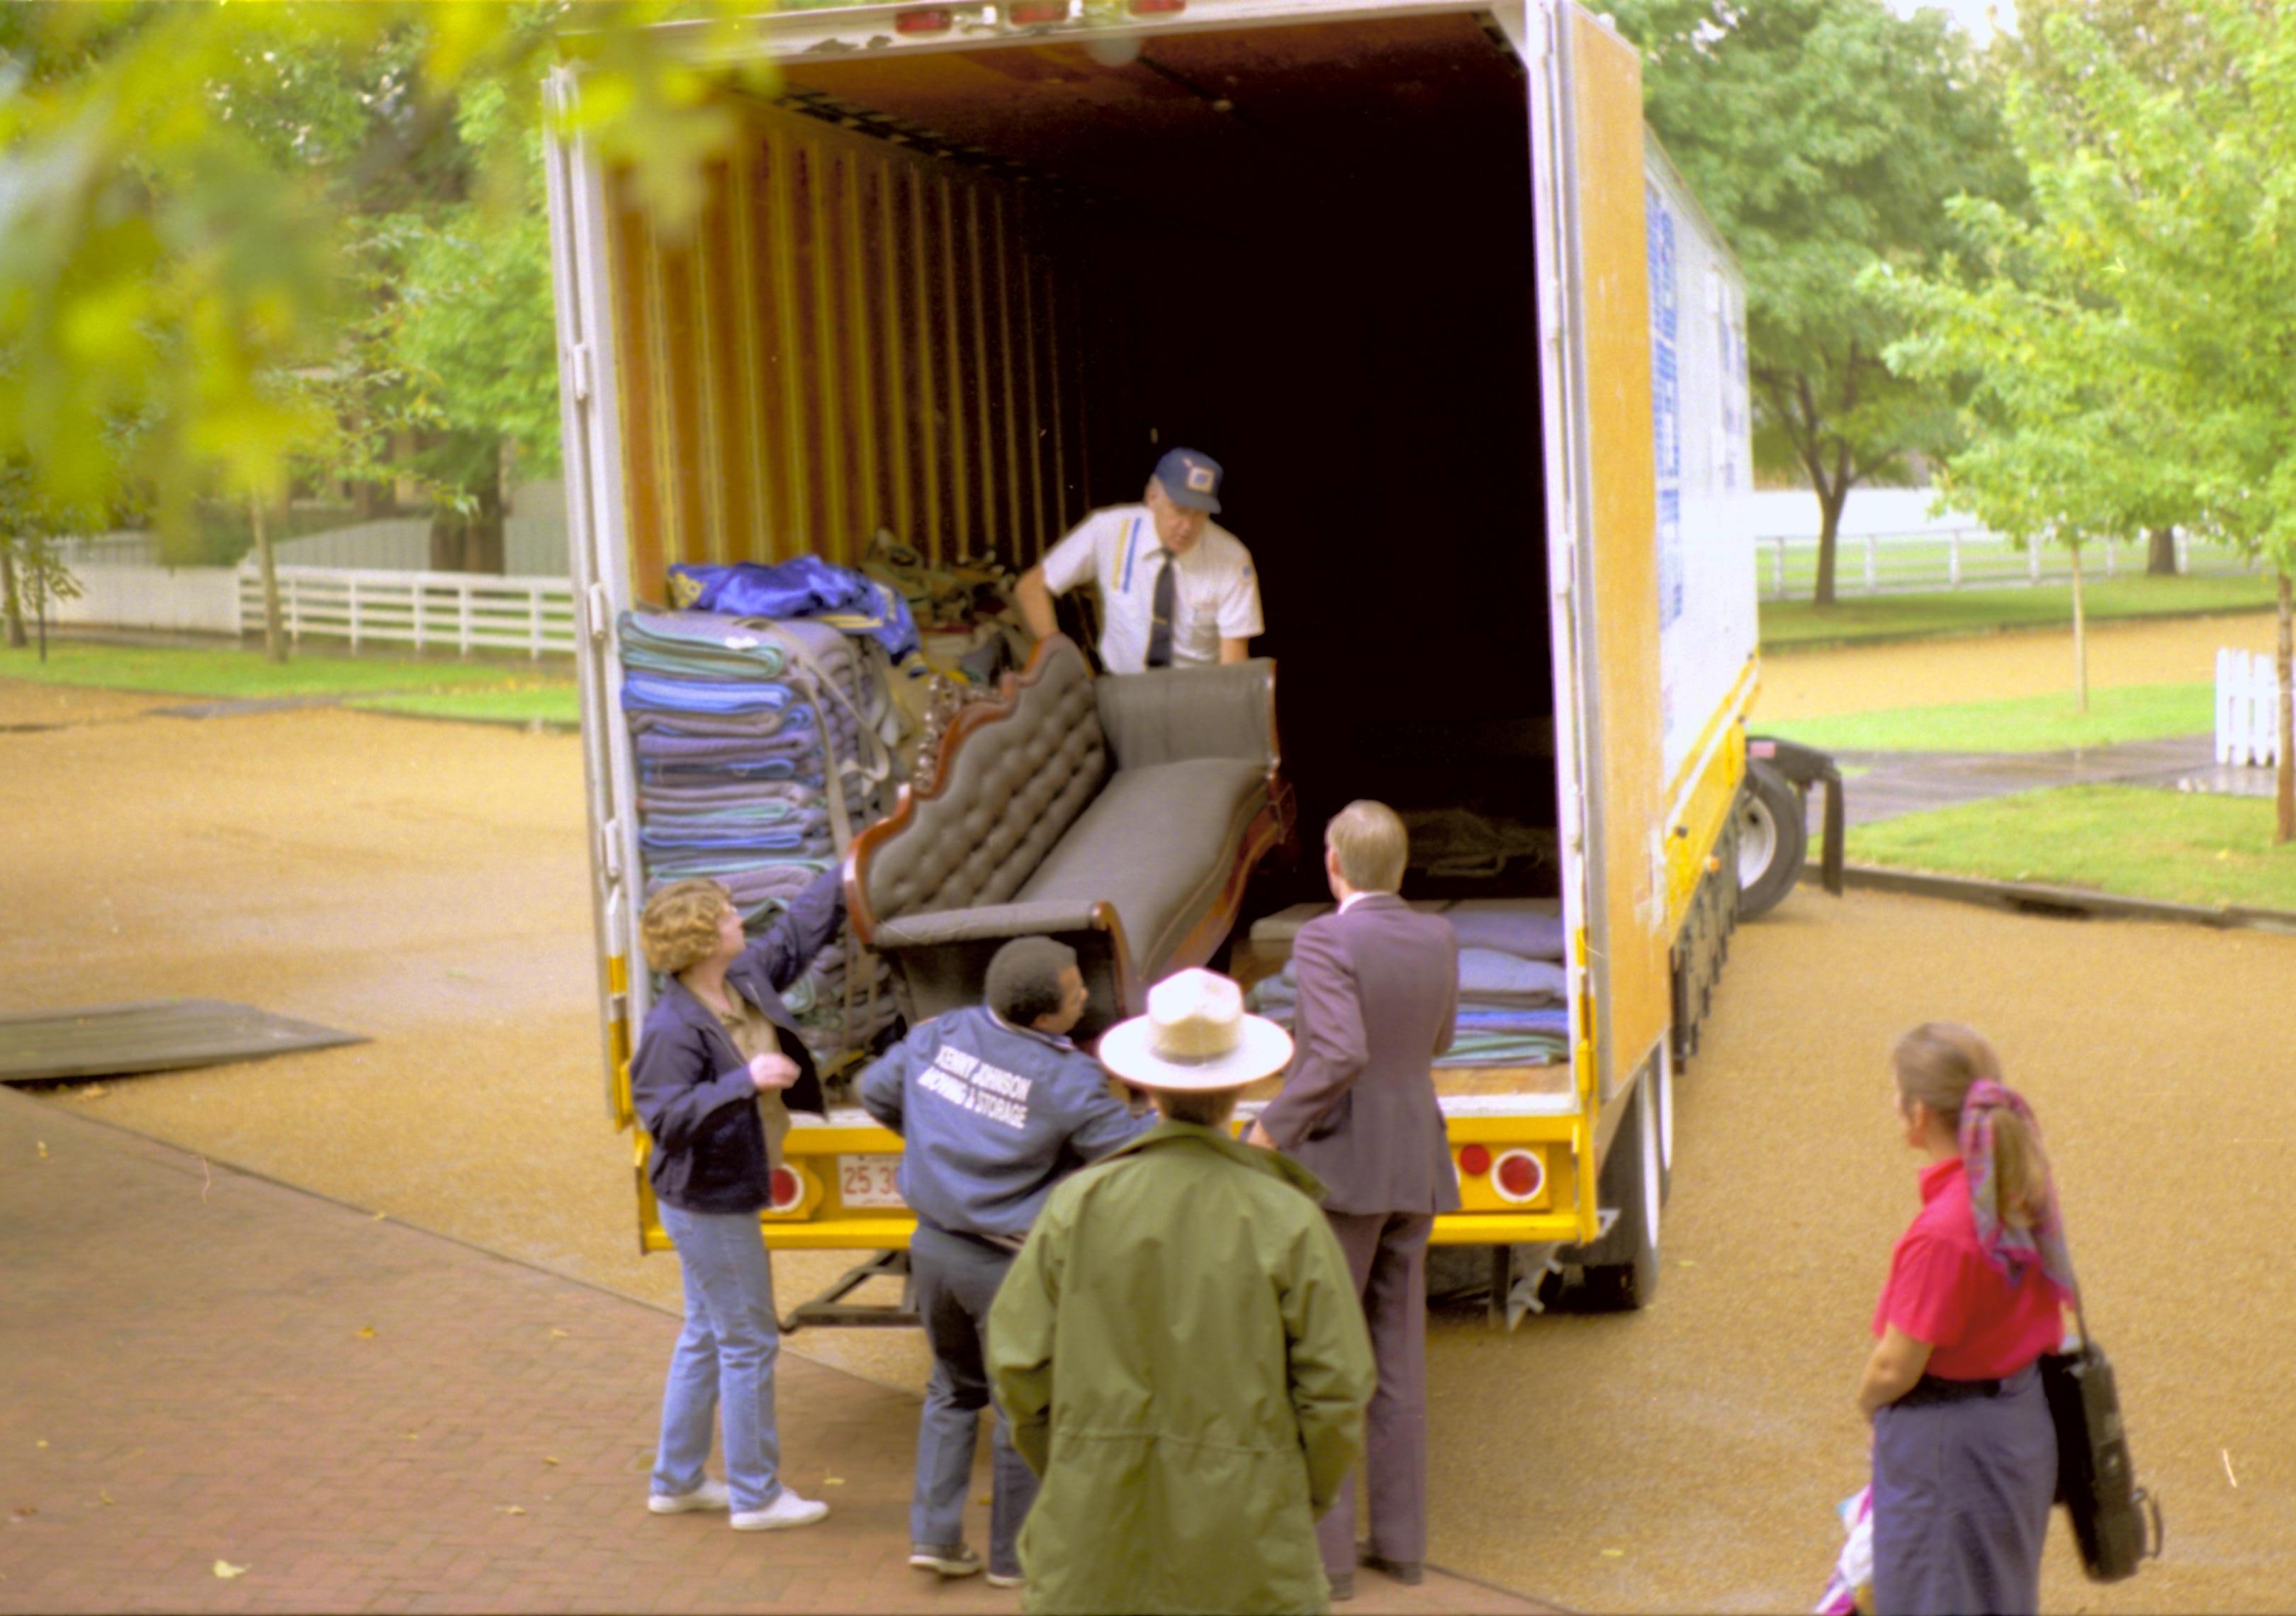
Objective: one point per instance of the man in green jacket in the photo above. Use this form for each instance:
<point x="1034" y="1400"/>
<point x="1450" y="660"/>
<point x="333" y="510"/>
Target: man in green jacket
<point x="1178" y="1349"/>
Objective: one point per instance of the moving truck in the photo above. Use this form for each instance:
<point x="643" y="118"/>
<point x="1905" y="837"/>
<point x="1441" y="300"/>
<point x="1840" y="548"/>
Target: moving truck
<point x="1475" y="363"/>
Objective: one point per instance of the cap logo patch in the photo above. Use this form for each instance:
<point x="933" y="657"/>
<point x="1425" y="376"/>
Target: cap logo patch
<point x="1200" y="480"/>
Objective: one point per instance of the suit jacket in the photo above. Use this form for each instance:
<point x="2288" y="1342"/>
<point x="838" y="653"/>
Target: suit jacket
<point x="1378" y="989"/>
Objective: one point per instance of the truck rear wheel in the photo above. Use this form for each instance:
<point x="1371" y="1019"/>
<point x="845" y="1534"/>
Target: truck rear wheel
<point x="1773" y="836"/>
<point x="1623" y="1271"/>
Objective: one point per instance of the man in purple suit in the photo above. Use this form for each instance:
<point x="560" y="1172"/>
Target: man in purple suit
<point x="1378" y="988"/>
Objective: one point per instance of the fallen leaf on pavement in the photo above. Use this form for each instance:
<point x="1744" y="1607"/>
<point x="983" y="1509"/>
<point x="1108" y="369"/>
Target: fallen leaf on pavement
<point x="512" y="1509"/>
<point x="23" y="1510"/>
<point x="559" y="1335"/>
<point x="1614" y="1554"/>
<point x="40" y="1442"/>
<point x="226" y="1569"/>
<point x="43" y="1149"/>
<point x="94" y="1091"/>
<point x="104" y="1496"/>
<point x="366" y="1332"/>
<point x="832" y="1481"/>
<point x="546" y="1459"/>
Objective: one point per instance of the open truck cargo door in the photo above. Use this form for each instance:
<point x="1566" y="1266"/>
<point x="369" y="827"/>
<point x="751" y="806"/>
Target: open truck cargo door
<point x="1613" y="519"/>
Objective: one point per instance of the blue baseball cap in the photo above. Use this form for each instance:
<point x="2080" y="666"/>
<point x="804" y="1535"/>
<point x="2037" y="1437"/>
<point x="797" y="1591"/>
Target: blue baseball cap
<point x="1191" y="478"/>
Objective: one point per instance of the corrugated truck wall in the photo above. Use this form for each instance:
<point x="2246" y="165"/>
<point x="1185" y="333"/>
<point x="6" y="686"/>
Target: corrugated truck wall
<point x="853" y="335"/>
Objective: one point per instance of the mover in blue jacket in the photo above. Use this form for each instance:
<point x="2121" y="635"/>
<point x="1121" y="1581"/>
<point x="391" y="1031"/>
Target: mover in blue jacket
<point x="994" y="1107"/>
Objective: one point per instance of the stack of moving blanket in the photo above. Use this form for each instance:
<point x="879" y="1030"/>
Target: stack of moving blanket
<point x="1513" y="990"/>
<point x="758" y="758"/>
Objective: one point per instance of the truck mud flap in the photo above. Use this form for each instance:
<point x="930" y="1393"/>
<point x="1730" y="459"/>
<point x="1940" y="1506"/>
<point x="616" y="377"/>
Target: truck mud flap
<point x="831" y="1311"/>
<point x="1807" y="766"/>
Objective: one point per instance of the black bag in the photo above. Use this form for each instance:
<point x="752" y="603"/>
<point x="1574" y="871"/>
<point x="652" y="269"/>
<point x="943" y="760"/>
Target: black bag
<point x="2095" y="1480"/>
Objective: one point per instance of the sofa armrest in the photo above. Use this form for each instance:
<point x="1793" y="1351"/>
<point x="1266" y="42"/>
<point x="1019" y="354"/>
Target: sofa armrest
<point x="997" y="922"/>
<point x="1174" y="713"/>
<point x="941" y="958"/>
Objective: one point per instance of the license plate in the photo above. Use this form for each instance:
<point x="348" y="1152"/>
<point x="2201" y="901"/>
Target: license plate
<point x="868" y="1180"/>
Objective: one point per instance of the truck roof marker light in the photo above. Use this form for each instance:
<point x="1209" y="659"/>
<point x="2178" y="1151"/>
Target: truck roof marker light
<point x="1519" y="1175"/>
<point x="1031" y="13"/>
<point x="925" y="19"/>
<point x="1148" y="8"/>
<point x="1475" y="1160"/>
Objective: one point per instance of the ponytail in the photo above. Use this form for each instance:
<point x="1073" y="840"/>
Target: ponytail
<point x="1937" y="1064"/>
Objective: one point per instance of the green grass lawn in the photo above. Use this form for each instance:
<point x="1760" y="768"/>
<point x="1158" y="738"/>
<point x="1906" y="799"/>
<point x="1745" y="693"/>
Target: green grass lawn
<point x="1790" y="625"/>
<point x="506" y="690"/>
<point x="2181" y="847"/>
<point x="2025" y="723"/>
<point x="551" y="703"/>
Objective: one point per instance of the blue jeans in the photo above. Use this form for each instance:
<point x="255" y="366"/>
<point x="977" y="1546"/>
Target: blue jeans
<point x="724" y="1359"/>
<point x="955" y="1281"/>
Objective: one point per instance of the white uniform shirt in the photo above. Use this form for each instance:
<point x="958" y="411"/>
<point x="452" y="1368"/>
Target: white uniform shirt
<point x="1216" y="595"/>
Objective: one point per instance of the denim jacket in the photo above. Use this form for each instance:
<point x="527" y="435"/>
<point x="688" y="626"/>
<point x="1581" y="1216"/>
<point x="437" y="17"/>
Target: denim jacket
<point x="691" y="1087"/>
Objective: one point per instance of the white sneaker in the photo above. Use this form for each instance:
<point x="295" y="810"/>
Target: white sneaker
<point x="958" y="1562"/>
<point x="709" y="1495"/>
<point x="787" y="1510"/>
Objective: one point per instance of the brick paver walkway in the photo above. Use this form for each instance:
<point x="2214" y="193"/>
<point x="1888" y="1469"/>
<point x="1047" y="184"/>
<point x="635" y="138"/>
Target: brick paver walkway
<point x="201" y="1367"/>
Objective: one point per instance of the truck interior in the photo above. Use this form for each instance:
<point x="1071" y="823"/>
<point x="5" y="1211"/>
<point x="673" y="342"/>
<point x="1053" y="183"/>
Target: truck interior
<point x="1311" y="254"/>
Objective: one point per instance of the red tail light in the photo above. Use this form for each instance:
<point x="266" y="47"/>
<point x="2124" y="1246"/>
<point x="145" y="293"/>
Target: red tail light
<point x="787" y="1189"/>
<point x="1475" y="1160"/>
<point x="926" y="20"/>
<point x="1023" y="13"/>
<point x="1519" y="1175"/>
<point x="1142" y="8"/>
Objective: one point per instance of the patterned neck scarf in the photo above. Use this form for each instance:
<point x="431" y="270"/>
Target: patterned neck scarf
<point x="2010" y="1246"/>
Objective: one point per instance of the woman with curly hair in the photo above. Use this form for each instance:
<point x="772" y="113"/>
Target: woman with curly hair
<point x="719" y="1067"/>
<point x="1965" y="1452"/>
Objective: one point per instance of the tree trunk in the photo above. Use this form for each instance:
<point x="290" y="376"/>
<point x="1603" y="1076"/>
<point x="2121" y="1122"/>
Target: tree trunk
<point x="2080" y="636"/>
<point x="1829" y="536"/>
<point x="274" y="642"/>
<point x="14" y="603"/>
<point x="2286" y="782"/>
<point x="468" y="541"/>
<point x="2160" y="557"/>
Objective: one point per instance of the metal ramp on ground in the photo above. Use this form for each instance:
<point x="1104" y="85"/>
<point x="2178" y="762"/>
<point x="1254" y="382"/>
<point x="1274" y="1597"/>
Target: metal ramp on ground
<point x="155" y="1035"/>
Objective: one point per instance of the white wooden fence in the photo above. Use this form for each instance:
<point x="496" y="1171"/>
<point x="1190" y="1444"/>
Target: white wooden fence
<point x="2248" y="707"/>
<point x="1961" y="558"/>
<point x="464" y="609"/>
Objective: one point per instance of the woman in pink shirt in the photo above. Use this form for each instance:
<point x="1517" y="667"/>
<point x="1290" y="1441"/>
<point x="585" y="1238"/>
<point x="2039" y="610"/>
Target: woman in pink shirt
<point x="1964" y="1453"/>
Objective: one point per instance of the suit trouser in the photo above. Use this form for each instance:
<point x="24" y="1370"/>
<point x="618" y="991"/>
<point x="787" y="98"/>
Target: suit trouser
<point x="956" y="1280"/>
<point x="1387" y="1260"/>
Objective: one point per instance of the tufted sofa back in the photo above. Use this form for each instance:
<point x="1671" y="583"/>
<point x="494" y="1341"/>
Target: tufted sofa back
<point x="1012" y="788"/>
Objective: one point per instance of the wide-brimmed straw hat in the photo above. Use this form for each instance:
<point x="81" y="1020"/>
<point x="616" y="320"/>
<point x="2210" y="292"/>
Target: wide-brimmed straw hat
<point x="1195" y="1039"/>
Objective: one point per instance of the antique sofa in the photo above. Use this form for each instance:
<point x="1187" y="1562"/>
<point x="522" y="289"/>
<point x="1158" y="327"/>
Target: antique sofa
<point x="1121" y="814"/>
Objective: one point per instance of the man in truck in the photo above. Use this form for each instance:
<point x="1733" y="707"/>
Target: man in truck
<point x="1177" y="589"/>
<point x="995" y="1106"/>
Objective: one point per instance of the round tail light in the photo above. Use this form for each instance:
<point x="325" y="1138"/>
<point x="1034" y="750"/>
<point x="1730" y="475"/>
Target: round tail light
<point x="787" y="1189"/>
<point x="1519" y="1175"/>
<point x="1474" y="1160"/>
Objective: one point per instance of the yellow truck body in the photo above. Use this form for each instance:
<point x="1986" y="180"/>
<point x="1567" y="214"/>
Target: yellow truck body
<point x="973" y="267"/>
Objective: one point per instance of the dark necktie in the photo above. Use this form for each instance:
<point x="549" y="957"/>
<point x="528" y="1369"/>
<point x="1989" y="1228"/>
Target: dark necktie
<point x="1159" y="619"/>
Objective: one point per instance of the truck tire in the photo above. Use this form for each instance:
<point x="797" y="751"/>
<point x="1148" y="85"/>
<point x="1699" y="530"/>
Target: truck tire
<point x="1623" y="1272"/>
<point x="1773" y="836"/>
